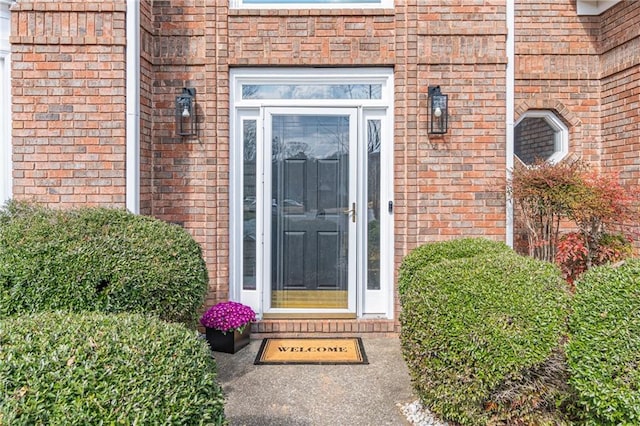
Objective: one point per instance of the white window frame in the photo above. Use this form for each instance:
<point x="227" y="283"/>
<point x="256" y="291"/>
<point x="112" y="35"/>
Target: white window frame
<point x="370" y="303"/>
<point x="240" y="4"/>
<point x="561" y="138"/>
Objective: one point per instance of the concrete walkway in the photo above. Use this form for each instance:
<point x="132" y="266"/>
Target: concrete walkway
<point x="349" y="395"/>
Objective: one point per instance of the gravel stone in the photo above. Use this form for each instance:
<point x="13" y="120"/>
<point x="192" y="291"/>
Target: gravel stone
<point x="420" y="416"/>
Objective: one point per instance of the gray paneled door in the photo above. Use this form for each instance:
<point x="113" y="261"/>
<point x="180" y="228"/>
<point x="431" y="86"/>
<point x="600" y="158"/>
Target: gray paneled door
<point x="312" y="207"/>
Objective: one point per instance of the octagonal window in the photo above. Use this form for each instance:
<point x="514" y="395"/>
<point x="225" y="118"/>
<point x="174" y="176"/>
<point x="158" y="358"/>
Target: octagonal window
<point x="540" y="135"/>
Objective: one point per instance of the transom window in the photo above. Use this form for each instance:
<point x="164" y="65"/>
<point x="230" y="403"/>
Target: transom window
<point x="540" y="135"/>
<point x="311" y="91"/>
<point x="309" y="4"/>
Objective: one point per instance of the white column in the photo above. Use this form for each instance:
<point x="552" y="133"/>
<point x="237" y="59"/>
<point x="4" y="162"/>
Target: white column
<point x="6" y="165"/>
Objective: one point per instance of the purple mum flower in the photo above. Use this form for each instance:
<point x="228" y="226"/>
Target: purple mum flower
<point x="228" y="316"/>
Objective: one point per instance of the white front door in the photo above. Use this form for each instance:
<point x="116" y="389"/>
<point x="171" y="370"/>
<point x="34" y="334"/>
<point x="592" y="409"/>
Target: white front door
<point x="311" y="217"/>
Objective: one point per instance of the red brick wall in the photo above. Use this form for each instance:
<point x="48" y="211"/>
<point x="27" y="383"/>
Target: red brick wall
<point x="557" y="68"/>
<point x="190" y="175"/>
<point x="620" y="65"/>
<point x="68" y="88"/>
<point x="587" y="68"/>
<point x="312" y="37"/>
<point x="453" y="184"/>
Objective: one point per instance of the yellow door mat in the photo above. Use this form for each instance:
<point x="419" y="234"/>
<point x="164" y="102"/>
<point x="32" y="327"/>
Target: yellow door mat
<point x="344" y="350"/>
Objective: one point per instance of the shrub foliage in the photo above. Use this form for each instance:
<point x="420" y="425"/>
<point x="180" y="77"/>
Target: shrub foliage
<point x="92" y="368"/>
<point x="471" y="324"/>
<point x="548" y="197"/>
<point x="460" y="248"/>
<point x="542" y="195"/>
<point x="574" y="255"/>
<point x="97" y="259"/>
<point x="604" y="346"/>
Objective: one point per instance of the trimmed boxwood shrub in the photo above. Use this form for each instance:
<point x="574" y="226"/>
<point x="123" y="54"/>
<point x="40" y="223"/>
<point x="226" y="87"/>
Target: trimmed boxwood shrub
<point x="459" y="248"/>
<point x="604" y="344"/>
<point x="472" y="324"/>
<point x="89" y="369"/>
<point x="97" y="259"/>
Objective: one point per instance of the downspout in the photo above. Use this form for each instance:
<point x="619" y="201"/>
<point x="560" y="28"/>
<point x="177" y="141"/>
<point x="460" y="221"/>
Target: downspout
<point x="132" y="189"/>
<point x="510" y="111"/>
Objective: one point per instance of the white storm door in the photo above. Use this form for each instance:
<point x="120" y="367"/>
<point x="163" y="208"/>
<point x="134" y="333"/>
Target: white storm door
<point x="310" y="210"/>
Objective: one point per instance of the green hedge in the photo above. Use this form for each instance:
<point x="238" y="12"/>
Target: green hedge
<point x="460" y="248"/>
<point x="97" y="259"/>
<point x="89" y="369"/>
<point x="472" y="324"/>
<point x="604" y="345"/>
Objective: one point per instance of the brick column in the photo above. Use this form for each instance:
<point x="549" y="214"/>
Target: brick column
<point x="68" y="88"/>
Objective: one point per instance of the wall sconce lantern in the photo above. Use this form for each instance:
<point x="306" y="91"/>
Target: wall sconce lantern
<point x="438" y="111"/>
<point x="186" y="112"/>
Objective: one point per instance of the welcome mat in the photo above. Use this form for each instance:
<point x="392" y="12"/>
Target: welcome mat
<point x="343" y="350"/>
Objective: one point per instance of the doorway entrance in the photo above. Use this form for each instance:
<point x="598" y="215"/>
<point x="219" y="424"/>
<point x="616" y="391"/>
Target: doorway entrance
<point x="310" y="210"/>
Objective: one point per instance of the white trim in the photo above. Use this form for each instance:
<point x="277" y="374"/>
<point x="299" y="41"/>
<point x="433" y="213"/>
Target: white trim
<point x="240" y="4"/>
<point x="594" y="7"/>
<point x="6" y="126"/>
<point x="561" y="140"/>
<point x="133" y="107"/>
<point x="510" y="112"/>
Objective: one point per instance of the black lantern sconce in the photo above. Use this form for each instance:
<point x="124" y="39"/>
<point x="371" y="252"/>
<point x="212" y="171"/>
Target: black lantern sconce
<point x="438" y="111"/>
<point x="186" y="112"/>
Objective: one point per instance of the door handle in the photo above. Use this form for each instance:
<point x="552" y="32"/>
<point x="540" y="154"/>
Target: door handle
<point x="352" y="212"/>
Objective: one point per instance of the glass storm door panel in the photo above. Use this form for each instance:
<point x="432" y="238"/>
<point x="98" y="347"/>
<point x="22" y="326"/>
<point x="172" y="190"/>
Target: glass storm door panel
<point x="312" y="220"/>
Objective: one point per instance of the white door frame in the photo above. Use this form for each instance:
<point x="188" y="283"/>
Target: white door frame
<point x="378" y="303"/>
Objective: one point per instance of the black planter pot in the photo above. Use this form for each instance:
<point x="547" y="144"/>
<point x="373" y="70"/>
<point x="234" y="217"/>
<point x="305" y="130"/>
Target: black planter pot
<point x="231" y="342"/>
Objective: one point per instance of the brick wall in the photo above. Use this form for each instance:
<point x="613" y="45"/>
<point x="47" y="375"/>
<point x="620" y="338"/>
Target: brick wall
<point x="620" y="65"/>
<point x="557" y="68"/>
<point x="587" y="69"/>
<point x="190" y="175"/>
<point x="68" y="88"/>
<point x="312" y="37"/>
<point x="454" y="184"/>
